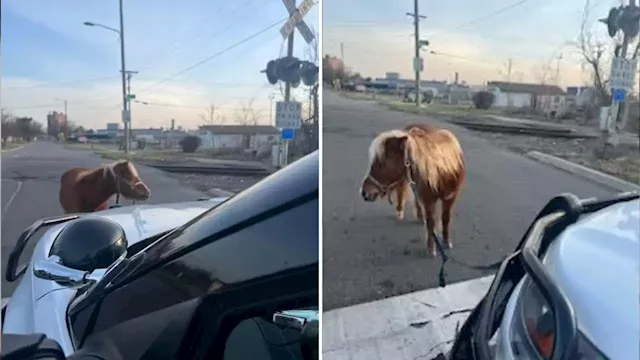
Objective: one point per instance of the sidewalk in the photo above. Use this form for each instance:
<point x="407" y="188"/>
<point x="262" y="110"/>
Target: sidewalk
<point x="413" y="326"/>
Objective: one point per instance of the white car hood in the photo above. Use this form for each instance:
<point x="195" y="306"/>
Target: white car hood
<point x="40" y="306"/>
<point x="144" y="221"/>
<point x="596" y="262"/>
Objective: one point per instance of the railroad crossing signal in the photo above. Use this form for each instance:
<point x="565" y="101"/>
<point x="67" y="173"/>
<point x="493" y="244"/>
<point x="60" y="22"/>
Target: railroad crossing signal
<point x="291" y="70"/>
<point x="295" y="20"/>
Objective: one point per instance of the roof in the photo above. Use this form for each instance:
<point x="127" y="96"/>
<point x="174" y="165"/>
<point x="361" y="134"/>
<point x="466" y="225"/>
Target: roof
<point x="536" y="89"/>
<point x="240" y="129"/>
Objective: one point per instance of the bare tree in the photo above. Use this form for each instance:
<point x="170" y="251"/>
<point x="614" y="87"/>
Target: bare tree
<point x="210" y="118"/>
<point x="311" y="52"/>
<point x="593" y="53"/>
<point x="247" y="114"/>
<point x="542" y="72"/>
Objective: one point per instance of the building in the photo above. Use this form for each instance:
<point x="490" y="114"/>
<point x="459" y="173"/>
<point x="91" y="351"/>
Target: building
<point x="56" y="123"/>
<point x="237" y="136"/>
<point x="548" y="99"/>
<point x="392" y="76"/>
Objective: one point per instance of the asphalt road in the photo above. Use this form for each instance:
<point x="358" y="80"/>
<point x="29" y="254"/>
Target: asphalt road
<point x="369" y="255"/>
<point x="31" y="182"/>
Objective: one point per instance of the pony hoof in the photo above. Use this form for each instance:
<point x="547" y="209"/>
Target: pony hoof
<point x="400" y="215"/>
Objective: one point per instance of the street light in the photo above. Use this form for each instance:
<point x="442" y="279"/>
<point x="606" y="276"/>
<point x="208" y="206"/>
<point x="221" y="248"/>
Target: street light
<point x="125" y="102"/>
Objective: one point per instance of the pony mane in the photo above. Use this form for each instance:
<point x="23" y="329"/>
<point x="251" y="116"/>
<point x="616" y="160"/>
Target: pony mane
<point x="437" y="154"/>
<point x="377" y="150"/>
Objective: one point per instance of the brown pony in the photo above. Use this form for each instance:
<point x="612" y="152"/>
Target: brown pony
<point x="430" y="158"/>
<point x="87" y="190"/>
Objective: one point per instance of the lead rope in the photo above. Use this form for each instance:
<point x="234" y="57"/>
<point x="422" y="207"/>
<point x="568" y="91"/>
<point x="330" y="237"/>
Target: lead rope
<point x="441" y="275"/>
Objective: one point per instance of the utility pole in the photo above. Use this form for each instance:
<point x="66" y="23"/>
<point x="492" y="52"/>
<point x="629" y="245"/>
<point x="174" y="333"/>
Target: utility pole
<point x="342" y="52"/>
<point x="129" y="74"/>
<point x="271" y="97"/>
<point x="125" y="102"/>
<point x="417" y="61"/>
<point x="559" y="58"/>
<point x="509" y="70"/>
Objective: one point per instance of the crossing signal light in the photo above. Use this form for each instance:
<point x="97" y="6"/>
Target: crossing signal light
<point x="291" y="70"/>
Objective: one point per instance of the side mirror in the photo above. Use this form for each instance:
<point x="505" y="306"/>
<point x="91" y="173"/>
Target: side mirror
<point x="52" y="269"/>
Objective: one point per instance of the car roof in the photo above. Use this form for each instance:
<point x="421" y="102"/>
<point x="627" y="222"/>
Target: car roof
<point x="596" y="263"/>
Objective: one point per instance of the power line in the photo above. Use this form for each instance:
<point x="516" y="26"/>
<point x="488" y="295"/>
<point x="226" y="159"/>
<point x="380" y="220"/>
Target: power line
<point x="485" y="17"/>
<point x="201" y="62"/>
<point x="179" y="47"/>
<point x="147" y="103"/>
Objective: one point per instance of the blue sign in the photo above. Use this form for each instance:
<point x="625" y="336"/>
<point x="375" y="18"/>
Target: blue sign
<point x="287" y="134"/>
<point x="619" y="95"/>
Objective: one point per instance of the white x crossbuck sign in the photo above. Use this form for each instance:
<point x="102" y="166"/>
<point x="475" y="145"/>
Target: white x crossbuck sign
<point x="296" y="16"/>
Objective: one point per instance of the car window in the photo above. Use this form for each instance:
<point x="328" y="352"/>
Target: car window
<point x="284" y="241"/>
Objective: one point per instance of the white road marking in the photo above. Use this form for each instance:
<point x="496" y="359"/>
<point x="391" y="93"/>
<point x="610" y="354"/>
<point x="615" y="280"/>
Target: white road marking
<point x="410" y="326"/>
<point x="11" y="198"/>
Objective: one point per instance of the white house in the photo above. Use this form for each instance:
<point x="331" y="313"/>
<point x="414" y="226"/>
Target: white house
<point x="237" y="136"/>
<point x="549" y="99"/>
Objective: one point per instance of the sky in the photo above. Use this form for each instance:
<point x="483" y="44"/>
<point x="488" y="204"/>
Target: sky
<point x="465" y="37"/>
<point x="49" y="56"/>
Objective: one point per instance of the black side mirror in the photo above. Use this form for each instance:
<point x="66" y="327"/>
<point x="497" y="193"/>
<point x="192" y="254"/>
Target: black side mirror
<point x="33" y="346"/>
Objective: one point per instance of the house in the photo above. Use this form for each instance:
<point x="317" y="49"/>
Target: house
<point x="545" y="98"/>
<point x="237" y="136"/>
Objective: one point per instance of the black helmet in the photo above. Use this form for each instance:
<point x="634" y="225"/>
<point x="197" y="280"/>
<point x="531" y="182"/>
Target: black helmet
<point x="90" y="243"/>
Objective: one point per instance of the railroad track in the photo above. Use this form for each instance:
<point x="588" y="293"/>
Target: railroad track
<point x="214" y="170"/>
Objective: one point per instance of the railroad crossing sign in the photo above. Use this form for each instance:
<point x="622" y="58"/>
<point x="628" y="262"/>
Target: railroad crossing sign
<point x="295" y="20"/>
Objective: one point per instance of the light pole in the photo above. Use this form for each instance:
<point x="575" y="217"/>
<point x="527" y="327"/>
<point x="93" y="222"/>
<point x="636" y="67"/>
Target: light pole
<point x="125" y="103"/>
<point x="271" y="96"/>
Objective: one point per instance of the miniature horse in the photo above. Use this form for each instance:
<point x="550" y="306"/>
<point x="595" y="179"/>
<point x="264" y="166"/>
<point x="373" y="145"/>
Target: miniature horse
<point x="87" y="190"/>
<point x="432" y="159"/>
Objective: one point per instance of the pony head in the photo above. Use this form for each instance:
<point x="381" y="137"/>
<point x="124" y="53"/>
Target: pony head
<point x="386" y="164"/>
<point x="127" y="180"/>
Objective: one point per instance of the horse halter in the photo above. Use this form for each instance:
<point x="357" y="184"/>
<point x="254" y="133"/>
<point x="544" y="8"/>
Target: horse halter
<point x="118" y="179"/>
<point x="384" y="189"/>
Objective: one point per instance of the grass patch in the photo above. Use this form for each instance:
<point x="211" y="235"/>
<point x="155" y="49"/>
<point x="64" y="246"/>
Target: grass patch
<point x="441" y="109"/>
<point x="10" y="146"/>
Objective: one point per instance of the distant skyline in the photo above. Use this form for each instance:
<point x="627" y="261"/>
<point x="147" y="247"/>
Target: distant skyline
<point x="475" y="39"/>
<point x="48" y="56"/>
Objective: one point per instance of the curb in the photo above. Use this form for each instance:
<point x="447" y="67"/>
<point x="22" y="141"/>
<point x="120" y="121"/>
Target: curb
<point x="599" y="177"/>
<point x="14" y="149"/>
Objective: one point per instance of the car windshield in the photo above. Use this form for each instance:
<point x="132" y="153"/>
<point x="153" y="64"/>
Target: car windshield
<point x="291" y="184"/>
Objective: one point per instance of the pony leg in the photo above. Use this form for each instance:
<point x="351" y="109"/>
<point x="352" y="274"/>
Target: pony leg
<point x="402" y="194"/>
<point x="430" y="215"/>
<point x="419" y="211"/>
<point x="447" y="210"/>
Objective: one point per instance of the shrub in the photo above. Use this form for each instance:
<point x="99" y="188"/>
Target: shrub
<point x="190" y="143"/>
<point x="483" y="99"/>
